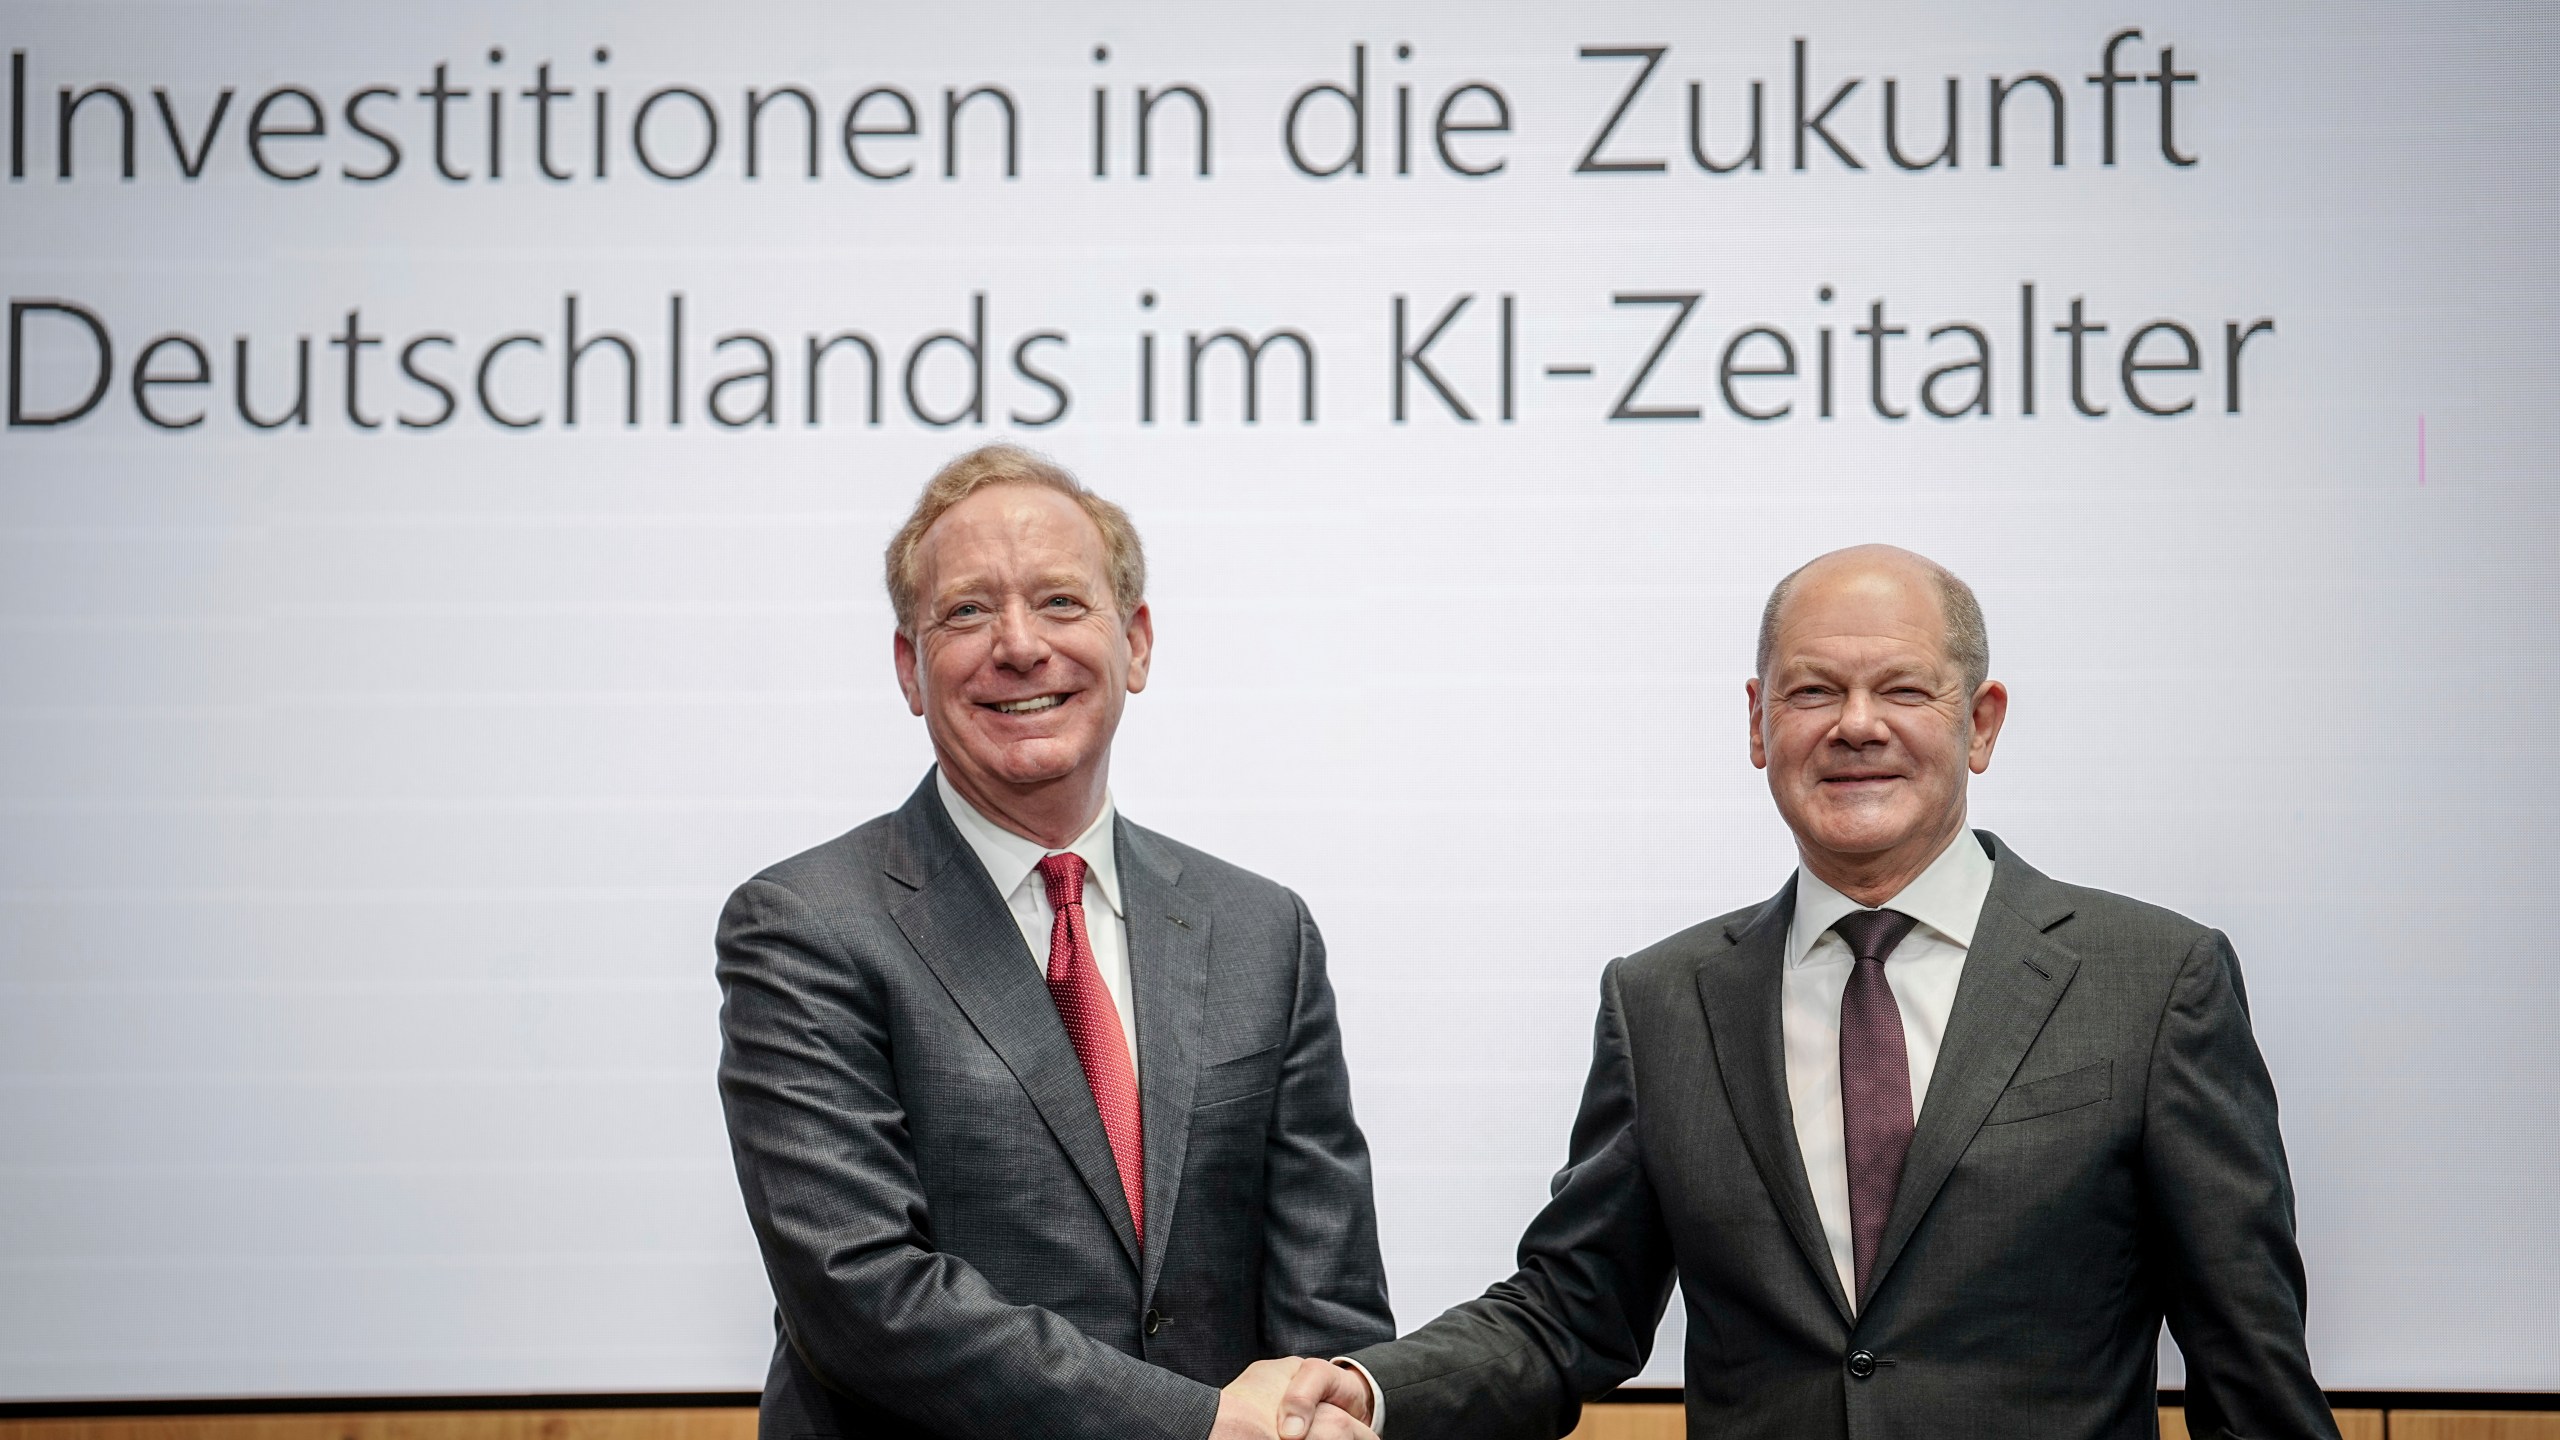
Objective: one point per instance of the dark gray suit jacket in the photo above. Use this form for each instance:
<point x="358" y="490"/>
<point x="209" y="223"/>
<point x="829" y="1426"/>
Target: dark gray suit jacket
<point x="948" y="1242"/>
<point x="2097" y="1150"/>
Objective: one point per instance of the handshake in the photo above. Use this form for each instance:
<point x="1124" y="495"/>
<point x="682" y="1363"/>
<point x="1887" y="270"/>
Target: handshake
<point x="1295" y="1399"/>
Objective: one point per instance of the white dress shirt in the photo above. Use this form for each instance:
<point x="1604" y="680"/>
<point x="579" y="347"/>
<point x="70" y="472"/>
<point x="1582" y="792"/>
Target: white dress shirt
<point x="1923" y="970"/>
<point x="1013" y="863"/>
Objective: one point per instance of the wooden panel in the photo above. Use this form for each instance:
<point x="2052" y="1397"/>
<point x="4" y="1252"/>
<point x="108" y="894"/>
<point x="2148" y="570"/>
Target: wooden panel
<point x="1599" y="1422"/>
<point x="1631" y="1422"/>
<point x="721" y="1423"/>
<point x="2352" y="1424"/>
<point x="2474" y="1425"/>
<point x="1663" y="1422"/>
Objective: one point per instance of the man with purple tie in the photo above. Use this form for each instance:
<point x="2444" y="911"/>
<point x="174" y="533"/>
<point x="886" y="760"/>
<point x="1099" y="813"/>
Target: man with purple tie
<point x="1932" y="1143"/>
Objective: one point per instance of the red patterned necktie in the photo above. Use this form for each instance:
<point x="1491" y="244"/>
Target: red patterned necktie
<point x="1093" y="1027"/>
<point x="1875" y="1082"/>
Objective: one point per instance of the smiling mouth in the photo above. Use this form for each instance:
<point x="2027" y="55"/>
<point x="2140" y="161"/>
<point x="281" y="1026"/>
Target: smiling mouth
<point x="1032" y="706"/>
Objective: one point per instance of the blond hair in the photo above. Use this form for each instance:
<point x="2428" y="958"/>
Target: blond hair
<point x="1010" y="465"/>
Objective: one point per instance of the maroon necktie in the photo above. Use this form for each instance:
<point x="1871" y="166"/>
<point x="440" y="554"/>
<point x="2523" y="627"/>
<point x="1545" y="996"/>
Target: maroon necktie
<point x="1875" y="1081"/>
<point x="1093" y="1027"/>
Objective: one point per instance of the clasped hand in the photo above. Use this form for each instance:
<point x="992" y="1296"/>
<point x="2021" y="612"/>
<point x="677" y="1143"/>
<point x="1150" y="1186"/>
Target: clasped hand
<point x="1294" y="1399"/>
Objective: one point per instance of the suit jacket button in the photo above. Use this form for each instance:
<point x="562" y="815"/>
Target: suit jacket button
<point x="1155" y="1322"/>
<point x="1862" y="1363"/>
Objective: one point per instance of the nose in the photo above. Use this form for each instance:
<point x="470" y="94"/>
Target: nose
<point x="1019" y="646"/>
<point x="1861" y="720"/>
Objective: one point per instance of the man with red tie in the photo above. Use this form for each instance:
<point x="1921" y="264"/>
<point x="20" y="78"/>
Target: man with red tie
<point x="1041" y="1117"/>
<point x="1933" y="1143"/>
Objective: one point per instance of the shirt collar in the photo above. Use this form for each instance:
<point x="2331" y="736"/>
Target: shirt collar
<point x="1947" y="897"/>
<point x="1009" y="858"/>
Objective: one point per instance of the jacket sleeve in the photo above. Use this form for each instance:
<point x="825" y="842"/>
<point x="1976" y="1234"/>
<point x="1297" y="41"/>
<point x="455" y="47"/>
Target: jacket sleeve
<point x="1580" y="1315"/>
<point x="2218" y="1202"/>
<point x="829" y="1176"/>
<point x="1324" y="1288"/>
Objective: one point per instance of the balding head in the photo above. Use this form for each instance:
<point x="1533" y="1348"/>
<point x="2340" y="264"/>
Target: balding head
<point x="1968" y="640"/>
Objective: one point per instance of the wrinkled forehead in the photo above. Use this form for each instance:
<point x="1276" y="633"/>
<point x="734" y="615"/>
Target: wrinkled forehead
<point x="1014" y="535"/>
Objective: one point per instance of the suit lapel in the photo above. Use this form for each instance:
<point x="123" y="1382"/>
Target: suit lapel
<point x="959" y="925"/>
<point x="1168" y="975"/>
<point x="1741" y="989"/>
<point x="2014" y="975"/>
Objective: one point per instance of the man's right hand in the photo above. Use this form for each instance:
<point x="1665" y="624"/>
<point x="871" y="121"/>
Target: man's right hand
<point x="1248" y="1407"/>
<point x="1325" y="1401"/>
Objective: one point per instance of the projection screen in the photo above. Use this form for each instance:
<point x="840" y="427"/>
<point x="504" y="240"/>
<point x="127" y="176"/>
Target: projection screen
<point x="450" y="447"/>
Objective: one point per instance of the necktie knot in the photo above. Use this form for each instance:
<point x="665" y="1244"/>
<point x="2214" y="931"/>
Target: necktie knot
<point x="1063" y="873"/>
<point x="1872" y="934"/>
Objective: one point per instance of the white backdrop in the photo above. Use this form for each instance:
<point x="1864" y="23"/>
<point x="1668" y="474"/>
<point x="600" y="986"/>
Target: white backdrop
<point x="367" y="795"/>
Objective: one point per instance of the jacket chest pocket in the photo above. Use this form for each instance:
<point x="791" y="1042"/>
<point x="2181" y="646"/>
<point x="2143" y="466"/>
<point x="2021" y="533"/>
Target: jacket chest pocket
<point x="1241" y="1078"/>
<point x="2053" y="1094"/>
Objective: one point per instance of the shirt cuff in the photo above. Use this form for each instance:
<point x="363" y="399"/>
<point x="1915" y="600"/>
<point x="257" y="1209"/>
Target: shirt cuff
<point x="1377" y="1396"/>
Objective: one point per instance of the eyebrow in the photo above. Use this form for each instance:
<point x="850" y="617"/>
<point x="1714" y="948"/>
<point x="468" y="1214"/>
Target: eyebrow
<point x="1798" y="672"/>
<point x="980" y="583"/>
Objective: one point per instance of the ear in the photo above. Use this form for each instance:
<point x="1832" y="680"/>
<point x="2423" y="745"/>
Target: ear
<point x="910" y="681"/>
<point x="1759" y="748"/>
<point x="1141" y="633"/>
<point x="1990" y="708"/>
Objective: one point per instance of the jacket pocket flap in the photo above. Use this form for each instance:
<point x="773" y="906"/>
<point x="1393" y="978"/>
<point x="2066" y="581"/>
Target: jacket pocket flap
<point x="2055" y="1093"/>
<point x="1238" y="1077"/>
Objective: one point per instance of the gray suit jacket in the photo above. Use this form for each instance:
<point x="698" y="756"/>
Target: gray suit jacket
<point x="947" y="1238"/>
<point x="2097" y="1150"/>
